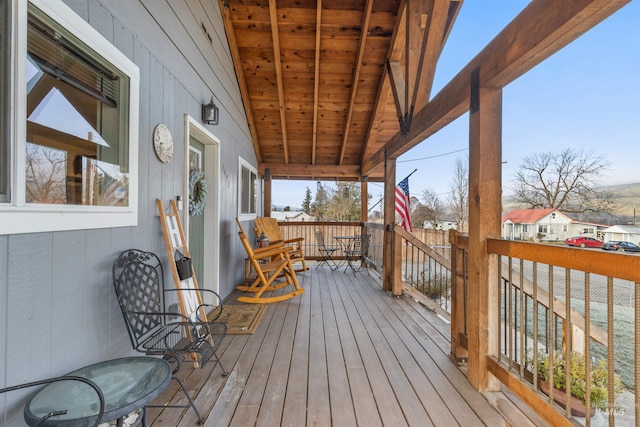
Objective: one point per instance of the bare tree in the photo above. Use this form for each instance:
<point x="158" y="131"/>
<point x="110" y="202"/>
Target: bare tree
<point x="433" y="208"/>
<point x="459" y="195"/>
<point x="432" y="202"/>
<point x="567" y="180"/>
<point x="45" y="174"/>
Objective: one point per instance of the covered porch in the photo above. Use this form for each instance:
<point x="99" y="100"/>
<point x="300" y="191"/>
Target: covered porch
<point x="344" y="353"/>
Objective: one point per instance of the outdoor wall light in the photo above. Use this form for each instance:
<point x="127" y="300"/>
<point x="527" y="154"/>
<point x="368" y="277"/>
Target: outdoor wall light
<point x="210" y="113"/>
<point x="179" y="202"/>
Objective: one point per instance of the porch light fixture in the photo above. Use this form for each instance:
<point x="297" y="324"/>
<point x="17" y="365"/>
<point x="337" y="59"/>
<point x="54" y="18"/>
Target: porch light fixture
<point x="210" y="113"/>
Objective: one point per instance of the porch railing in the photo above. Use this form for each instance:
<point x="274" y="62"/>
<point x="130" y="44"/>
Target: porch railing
<point x="559" y="301"/>
<point x="329" y="230"/>
<point x="426" y="270"/>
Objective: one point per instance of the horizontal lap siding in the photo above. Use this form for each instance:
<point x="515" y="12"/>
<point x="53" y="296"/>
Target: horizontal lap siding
<point x="57" y="307"/>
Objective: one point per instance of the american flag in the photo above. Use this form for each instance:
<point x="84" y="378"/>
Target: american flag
<point x="403" y="203"/>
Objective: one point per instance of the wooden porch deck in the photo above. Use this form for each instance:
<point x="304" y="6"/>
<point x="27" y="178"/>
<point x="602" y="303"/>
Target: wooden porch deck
<point x="344" y="353"/>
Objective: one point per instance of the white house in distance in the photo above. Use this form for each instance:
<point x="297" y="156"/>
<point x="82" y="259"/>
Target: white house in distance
<point x="624" y="233"/>
<point x="292" y="216"/>
<point x="440" y="225"/>
<point x="545" y="225"/>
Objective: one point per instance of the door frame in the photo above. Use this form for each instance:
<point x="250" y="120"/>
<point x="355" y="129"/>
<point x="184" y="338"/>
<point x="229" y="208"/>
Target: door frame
<point x="211" y="167"/>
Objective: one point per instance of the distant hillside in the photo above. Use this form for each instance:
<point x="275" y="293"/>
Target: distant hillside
<point x="627" y="197"/>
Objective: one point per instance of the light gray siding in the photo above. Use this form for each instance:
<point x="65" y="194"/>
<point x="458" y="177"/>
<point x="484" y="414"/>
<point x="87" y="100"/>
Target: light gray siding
<point x="57" y="306"/>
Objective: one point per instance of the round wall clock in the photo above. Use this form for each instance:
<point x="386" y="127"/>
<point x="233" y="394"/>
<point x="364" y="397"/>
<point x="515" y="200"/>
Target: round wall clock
<point x="163" y="143"/>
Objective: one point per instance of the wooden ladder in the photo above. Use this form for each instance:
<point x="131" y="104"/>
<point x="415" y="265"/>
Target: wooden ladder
<point x="189" y="299"/>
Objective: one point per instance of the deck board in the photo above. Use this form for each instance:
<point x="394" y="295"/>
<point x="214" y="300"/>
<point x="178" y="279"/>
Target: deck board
<point x="364" y="406"/>
<point x="343" y="353"/>
<point x="341" y="401"/>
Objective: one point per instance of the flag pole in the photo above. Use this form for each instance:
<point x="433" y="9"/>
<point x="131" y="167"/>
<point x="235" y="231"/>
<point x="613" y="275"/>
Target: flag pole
<point x="414" y="171"/>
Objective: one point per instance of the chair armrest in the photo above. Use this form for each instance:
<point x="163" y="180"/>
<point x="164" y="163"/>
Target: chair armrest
<point x="184" y="319"/>
<point x="271" y="250"/>
<point x="295" y="240"/>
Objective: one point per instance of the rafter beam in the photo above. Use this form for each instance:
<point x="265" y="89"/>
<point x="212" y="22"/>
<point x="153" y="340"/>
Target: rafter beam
<point x="394" y="54"/>
<point x="412" y="55"/>
<point x="541" y="29"/>
<point x="242" y="83"/>
<point x="277" y="170"/>
<point x="273" y="15"/>
<point x="356" y="77"/>
<point x="316" y="82"/>
<point x="398" y="89"/>
<point x="432" y="45"/>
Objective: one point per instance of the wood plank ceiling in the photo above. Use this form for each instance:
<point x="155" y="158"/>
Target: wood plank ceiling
<point x="326" y="83"/>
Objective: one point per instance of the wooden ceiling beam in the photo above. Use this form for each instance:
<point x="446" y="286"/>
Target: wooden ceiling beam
<point x="356" y="77"/>
<point x="278" y="170"/>
<point x="541" y="29"/>
<point x="273" y="15"/>
<point x="432" y="45"/>
<point x="412" y="54"/>
<point x="398" y="87"/>
<point x="316" y="82"/>
<point x="394" y="54"/>
<point x="242" y="83"/>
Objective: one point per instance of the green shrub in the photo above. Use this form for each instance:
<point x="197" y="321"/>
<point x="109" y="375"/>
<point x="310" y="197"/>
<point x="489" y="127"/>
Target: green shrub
<point x="599" y="377"/>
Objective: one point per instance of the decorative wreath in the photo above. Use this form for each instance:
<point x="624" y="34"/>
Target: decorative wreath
<point x="197" y="192"/>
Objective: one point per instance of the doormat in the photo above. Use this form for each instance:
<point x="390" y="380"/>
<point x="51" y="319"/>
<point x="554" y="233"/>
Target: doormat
<point x="242" y="319"/>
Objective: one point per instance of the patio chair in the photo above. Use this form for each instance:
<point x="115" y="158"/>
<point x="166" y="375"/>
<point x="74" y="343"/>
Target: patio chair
<point x="271" y="228"/>
<point x="269" y="263"/>
<point x="326" y="252"/>
<point x="138" y="279"/>
<point x="356" y="252"/>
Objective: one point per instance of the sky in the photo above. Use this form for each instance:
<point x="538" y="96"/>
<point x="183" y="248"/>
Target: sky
<point x="585" y="97"/>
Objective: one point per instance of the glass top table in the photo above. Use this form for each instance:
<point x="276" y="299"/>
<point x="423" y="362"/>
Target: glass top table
<point x="127" y="384"/>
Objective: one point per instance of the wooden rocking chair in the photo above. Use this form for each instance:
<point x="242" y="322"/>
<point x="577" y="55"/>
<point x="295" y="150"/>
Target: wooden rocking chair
<point x="269" y="263"/>
<point x="270" y="227"/>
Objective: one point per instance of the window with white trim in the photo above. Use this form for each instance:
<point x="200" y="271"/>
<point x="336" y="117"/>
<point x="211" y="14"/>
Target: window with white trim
<point x="74" y="130"/>
<point x="4" y="86"/>
<point x="248" y="191"/>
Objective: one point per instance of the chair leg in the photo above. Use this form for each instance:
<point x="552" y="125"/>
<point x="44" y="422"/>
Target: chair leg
<point x="191" y="402"/>
<point x="219" y="362"/>
<point x="350" y="265"/>
<point x="184" y="390"/>
<point x="326" y="259"/>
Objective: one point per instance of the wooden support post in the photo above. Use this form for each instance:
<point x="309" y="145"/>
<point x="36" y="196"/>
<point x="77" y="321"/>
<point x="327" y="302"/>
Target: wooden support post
<point x="396" y="257"/>
<point x="364" y="201"/>
<point x="457" y="297"/>
<point x="485" y="205"/>
<point x="267" y="193"/>
<point x="389" y="221"/>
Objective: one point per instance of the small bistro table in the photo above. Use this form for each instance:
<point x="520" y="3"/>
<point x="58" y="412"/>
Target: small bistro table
<point x="345" y="243"/>
<point x="128" y="384"/>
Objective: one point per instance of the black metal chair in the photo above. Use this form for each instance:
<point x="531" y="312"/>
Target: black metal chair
<point x="326" y="252"/>
<point x="55" y="413"/>
<point x="356" y="252"/>
<point x="138" y="279"/>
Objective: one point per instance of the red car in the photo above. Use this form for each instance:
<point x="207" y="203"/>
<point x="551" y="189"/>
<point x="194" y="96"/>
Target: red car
<point x="583" y="242"/>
